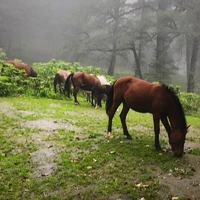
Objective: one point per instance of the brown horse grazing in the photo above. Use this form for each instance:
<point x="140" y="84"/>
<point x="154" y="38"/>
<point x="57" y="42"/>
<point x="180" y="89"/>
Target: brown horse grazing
<point x="105" y="88"/>
<point x="81" y="80"/>
<point x="60" y="79"/>
<point x="102" y="94"/>
<point x="158" y="99"/>
<point x="23" y="66"/>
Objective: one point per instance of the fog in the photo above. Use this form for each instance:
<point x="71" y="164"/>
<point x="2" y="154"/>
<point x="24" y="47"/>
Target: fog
<point x="32" y="30"/>
<point x="40" y="30"/>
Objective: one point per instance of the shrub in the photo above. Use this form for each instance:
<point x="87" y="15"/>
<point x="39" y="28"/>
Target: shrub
<point x="190" y="102"/>
<point x="12" y="81"/>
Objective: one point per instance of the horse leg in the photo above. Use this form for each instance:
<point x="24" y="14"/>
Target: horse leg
<point x="92" y="101"/>
<point x="123" y="115"/>
<point x="165" y="122"/>
<point x="60" y="88"/>
<point x="96" y="99"/>
<point x="99" y="98"/>
<point x="110" y="118"/>
<point x="75" y="95"/>
<point x="156" y="121"/>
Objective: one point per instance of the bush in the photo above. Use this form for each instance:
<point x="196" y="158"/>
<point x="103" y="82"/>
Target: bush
<point x="12" y="81"/>
<point x="190" y="102"/>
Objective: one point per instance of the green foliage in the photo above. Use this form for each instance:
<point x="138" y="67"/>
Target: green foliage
<point x="12" y="81"/>
<point x="190" y="102"/>
<point x="2" y="56"/>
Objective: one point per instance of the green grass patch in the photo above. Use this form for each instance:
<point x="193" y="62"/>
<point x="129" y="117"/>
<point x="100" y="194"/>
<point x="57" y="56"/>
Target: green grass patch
<point x="87" y="164"/>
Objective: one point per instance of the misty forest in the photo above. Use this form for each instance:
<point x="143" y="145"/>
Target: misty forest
<point x="151" y="39"/>
<point x="64" y="133"/>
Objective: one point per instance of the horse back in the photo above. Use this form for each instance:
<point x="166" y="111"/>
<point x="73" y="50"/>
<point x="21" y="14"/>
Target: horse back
<point x="81" y="78"/>
<point x="62" y="75"/>
<point x="140" y="95"/>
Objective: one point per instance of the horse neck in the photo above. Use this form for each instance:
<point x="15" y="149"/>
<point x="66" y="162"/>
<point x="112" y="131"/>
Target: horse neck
<point x="176" y="119"/>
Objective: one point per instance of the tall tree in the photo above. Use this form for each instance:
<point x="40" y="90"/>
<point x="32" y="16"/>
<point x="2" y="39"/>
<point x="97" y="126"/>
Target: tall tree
<point x="163" y="64"/>
<point x="192" y="42"/>
<point x="115" y="14"/>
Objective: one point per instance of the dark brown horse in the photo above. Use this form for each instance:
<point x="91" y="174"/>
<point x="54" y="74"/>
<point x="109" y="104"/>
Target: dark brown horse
<point x="23" y="66"/>
<point x="81" y="80"/>
<point x="158" y="99"/>
<point x="104" y="90"/>
<point x="60" y="79"/>
<point x="101" y="94"/>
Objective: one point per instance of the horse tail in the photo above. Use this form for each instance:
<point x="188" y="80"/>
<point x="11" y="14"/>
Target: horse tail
<point x="109" y="100"/>
<point x="67" y="84"/>
<point x="55" y="81"/>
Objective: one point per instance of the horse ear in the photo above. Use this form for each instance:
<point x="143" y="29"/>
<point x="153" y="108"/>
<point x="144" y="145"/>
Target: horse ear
<point x="188" y="126"/>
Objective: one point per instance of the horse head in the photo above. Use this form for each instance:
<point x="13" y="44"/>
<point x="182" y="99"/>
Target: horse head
<point x="177" y="141"/>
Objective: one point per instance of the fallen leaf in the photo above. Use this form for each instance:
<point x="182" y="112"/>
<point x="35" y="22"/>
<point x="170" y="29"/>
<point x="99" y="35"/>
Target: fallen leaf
<point x="174" y="198"/>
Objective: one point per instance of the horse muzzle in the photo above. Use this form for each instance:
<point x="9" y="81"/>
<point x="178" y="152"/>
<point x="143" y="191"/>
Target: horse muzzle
<point x="178" y="153"/>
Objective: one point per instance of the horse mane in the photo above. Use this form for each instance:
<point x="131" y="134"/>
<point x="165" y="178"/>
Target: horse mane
<point x="109" y="100"/>
<point x="176" y="99"/>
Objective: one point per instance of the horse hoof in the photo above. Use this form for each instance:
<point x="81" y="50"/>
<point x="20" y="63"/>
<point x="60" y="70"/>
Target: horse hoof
<point x="159" y="149"/>
<point x="110" y="135"/>
<point x="129" y="138"/>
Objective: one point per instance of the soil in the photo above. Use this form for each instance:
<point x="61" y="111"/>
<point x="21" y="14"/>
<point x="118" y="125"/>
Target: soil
<point x="188" y="187"/>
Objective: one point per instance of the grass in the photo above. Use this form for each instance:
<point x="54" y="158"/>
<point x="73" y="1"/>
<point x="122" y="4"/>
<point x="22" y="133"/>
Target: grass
<point x="88" y="165"/>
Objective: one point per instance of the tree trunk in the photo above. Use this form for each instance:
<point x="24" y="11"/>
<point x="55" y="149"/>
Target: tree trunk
<point x="138" y="72"/>
<point x="114" y="42"/>
<point x="192" y="70"/>
<point x="188" y="55"/>
<point x="138" y="57"/>
<point x="192" y="48"/>
<point x="112" y="61"/>
<point x="161" y="40"/>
